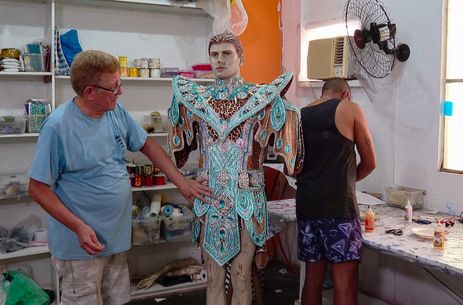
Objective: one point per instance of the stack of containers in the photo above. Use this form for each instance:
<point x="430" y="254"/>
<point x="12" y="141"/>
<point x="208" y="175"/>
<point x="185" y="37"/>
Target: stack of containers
<point x="154" y="65"/>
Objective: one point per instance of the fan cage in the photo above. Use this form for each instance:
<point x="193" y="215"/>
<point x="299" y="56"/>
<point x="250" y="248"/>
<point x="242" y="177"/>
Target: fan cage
<point x="375" y="61"/>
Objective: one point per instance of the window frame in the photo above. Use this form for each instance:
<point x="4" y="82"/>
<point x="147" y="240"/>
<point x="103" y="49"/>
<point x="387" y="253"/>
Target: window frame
<point x="444" y="82"/>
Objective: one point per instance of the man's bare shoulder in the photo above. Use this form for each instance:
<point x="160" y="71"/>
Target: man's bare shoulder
<point x="352" y="108"/>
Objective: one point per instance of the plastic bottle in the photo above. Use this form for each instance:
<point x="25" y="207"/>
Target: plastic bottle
<point x="408" y="216"/>
<point x="439" y="237"/>
<point x="369" y="220"/>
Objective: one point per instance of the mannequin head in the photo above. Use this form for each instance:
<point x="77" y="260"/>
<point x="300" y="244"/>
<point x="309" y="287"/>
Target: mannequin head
<point x="226" y="56"/>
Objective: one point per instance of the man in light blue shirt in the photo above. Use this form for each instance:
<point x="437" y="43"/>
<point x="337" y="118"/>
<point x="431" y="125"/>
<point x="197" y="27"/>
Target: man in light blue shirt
<point x="79" y="177"/>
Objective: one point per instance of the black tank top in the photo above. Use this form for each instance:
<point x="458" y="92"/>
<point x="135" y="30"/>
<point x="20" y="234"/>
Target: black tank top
<point x="326" y="184"/>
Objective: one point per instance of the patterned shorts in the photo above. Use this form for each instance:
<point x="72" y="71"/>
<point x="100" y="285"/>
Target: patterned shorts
<point x="335" y="240"/>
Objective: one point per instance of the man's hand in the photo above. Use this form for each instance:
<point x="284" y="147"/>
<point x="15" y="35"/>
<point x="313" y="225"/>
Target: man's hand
<point x="192" y="189"/>
<point x="88" y="240"/>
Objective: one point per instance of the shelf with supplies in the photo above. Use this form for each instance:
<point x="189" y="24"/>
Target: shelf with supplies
<point x="158" y="290"/>
<point x="148" y="79"/>
<point x="20" y="135"/>
<point x="25" y="74"/>
<point x="14" y="197"/>
<point x="35" y="135"/>
<point x="131" y="28"/>
<point x="167" y="186"/>
<point x="163" y="6"/>
<point x="158" y="134"/>
<point x="24" y="253"/>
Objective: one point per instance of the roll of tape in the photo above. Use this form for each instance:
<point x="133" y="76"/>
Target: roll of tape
<point x="167" y="210"/>
<point x="41" y="235"/>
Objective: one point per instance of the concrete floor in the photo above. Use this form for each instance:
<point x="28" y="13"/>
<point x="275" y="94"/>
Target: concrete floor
<point x="363" y="299"/>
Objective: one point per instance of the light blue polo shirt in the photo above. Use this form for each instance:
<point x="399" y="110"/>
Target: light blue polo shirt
<point x="82" y="159"/>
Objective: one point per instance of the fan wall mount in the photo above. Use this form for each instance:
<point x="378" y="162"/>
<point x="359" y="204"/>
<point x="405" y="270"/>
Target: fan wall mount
<point x="372" y="37"/>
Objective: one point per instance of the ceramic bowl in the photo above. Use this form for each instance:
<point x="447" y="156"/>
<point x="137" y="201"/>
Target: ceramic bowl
<point x="10" y="53"/>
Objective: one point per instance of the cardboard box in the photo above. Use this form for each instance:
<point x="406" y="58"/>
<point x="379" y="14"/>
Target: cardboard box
<point x="397" y="196"/>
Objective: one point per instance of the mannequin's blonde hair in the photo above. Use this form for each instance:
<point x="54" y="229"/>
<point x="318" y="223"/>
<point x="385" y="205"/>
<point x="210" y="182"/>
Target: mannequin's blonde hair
<point x="227" y="38"/>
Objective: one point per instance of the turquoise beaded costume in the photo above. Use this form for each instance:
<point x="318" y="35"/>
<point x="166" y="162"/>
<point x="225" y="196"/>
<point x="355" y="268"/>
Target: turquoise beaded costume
<point x="232" y="124"/>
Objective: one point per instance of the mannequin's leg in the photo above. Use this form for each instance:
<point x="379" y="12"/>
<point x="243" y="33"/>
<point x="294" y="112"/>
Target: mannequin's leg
<point x="215" y="277"/>
<point x="241" y="271"/>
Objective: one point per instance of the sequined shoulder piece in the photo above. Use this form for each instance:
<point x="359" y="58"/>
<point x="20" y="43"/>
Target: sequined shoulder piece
<point x="195" y="97"/>
<point x="261" y="98"/>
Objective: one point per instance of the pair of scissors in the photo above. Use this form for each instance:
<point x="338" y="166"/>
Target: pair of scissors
<point x="397" y="232"/>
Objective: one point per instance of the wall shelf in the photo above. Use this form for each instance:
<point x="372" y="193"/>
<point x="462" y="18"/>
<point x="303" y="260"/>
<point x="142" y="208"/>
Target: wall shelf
<point x="26" y="252"/>
<point x="19" y="74"/>
<point x="146" y="79"/>
<point x="159" y="290"/>
<point x="158" y="134"/>
<point x="166" y="6"/>
<point x="167" y="186"/>
<point x="19" y="135"/>
<point x="15" y="196"/>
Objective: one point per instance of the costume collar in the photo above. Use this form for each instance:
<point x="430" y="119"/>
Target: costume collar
<point x="195" y="99"/>
<point x="224" y="90"/>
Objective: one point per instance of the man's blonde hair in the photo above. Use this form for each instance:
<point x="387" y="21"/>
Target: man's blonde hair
<point x="88" y="66"/>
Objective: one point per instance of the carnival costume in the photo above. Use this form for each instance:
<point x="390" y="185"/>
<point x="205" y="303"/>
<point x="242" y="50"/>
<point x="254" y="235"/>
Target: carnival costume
<point x="232" y="123"/>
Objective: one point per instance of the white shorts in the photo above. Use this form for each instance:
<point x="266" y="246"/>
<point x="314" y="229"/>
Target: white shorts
<point x="96" y="281"/>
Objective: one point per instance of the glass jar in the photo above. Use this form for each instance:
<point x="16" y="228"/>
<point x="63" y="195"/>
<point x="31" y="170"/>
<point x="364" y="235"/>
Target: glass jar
<point x="123" y="72"/>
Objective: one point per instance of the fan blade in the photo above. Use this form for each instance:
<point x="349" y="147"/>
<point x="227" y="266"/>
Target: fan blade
<point x="402" y="52"/>
<point x="359" y="39"/>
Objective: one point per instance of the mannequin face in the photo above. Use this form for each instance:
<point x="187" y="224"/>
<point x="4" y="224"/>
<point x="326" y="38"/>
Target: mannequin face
<point x="225" y="61"/>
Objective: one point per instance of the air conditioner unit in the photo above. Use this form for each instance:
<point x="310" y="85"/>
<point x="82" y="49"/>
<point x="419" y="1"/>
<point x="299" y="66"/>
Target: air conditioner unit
<point x="330" y="57"/>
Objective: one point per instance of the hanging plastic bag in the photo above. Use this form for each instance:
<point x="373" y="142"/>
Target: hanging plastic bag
<point x="229" y="15"/>
<point x="238" y="17"/>
<point x="61" y="65"/>
<point x="219" y="12"/>
<point x="70" y="45"/>
<point x="22" y="290"/>
<point x="2" y="291"/>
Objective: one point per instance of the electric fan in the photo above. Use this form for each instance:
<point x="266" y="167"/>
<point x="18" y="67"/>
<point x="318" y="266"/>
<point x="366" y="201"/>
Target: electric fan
<point x="372" y="37"/>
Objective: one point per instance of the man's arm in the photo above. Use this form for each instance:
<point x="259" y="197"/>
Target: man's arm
<point x="190" y="189"/>
<point x="44" y="196"/>
<point x="364" y="144"/>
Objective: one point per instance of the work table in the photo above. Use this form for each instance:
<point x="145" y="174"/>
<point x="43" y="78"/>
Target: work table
<point x="407" y="246"/>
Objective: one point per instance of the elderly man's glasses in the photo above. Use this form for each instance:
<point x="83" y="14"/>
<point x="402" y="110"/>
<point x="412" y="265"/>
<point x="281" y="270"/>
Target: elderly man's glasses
<point x="114" y="90"/>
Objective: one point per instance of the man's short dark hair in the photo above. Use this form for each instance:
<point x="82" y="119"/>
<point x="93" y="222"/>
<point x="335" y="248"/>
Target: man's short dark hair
<point x="336" y="85"/>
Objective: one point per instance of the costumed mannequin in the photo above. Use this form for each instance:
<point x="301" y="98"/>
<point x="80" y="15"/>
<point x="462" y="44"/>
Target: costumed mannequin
<point x="232" y="122"/>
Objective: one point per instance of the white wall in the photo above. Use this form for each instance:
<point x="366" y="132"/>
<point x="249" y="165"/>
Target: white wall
<point x="403" y="114"/>
<point x="402" y="109"/>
